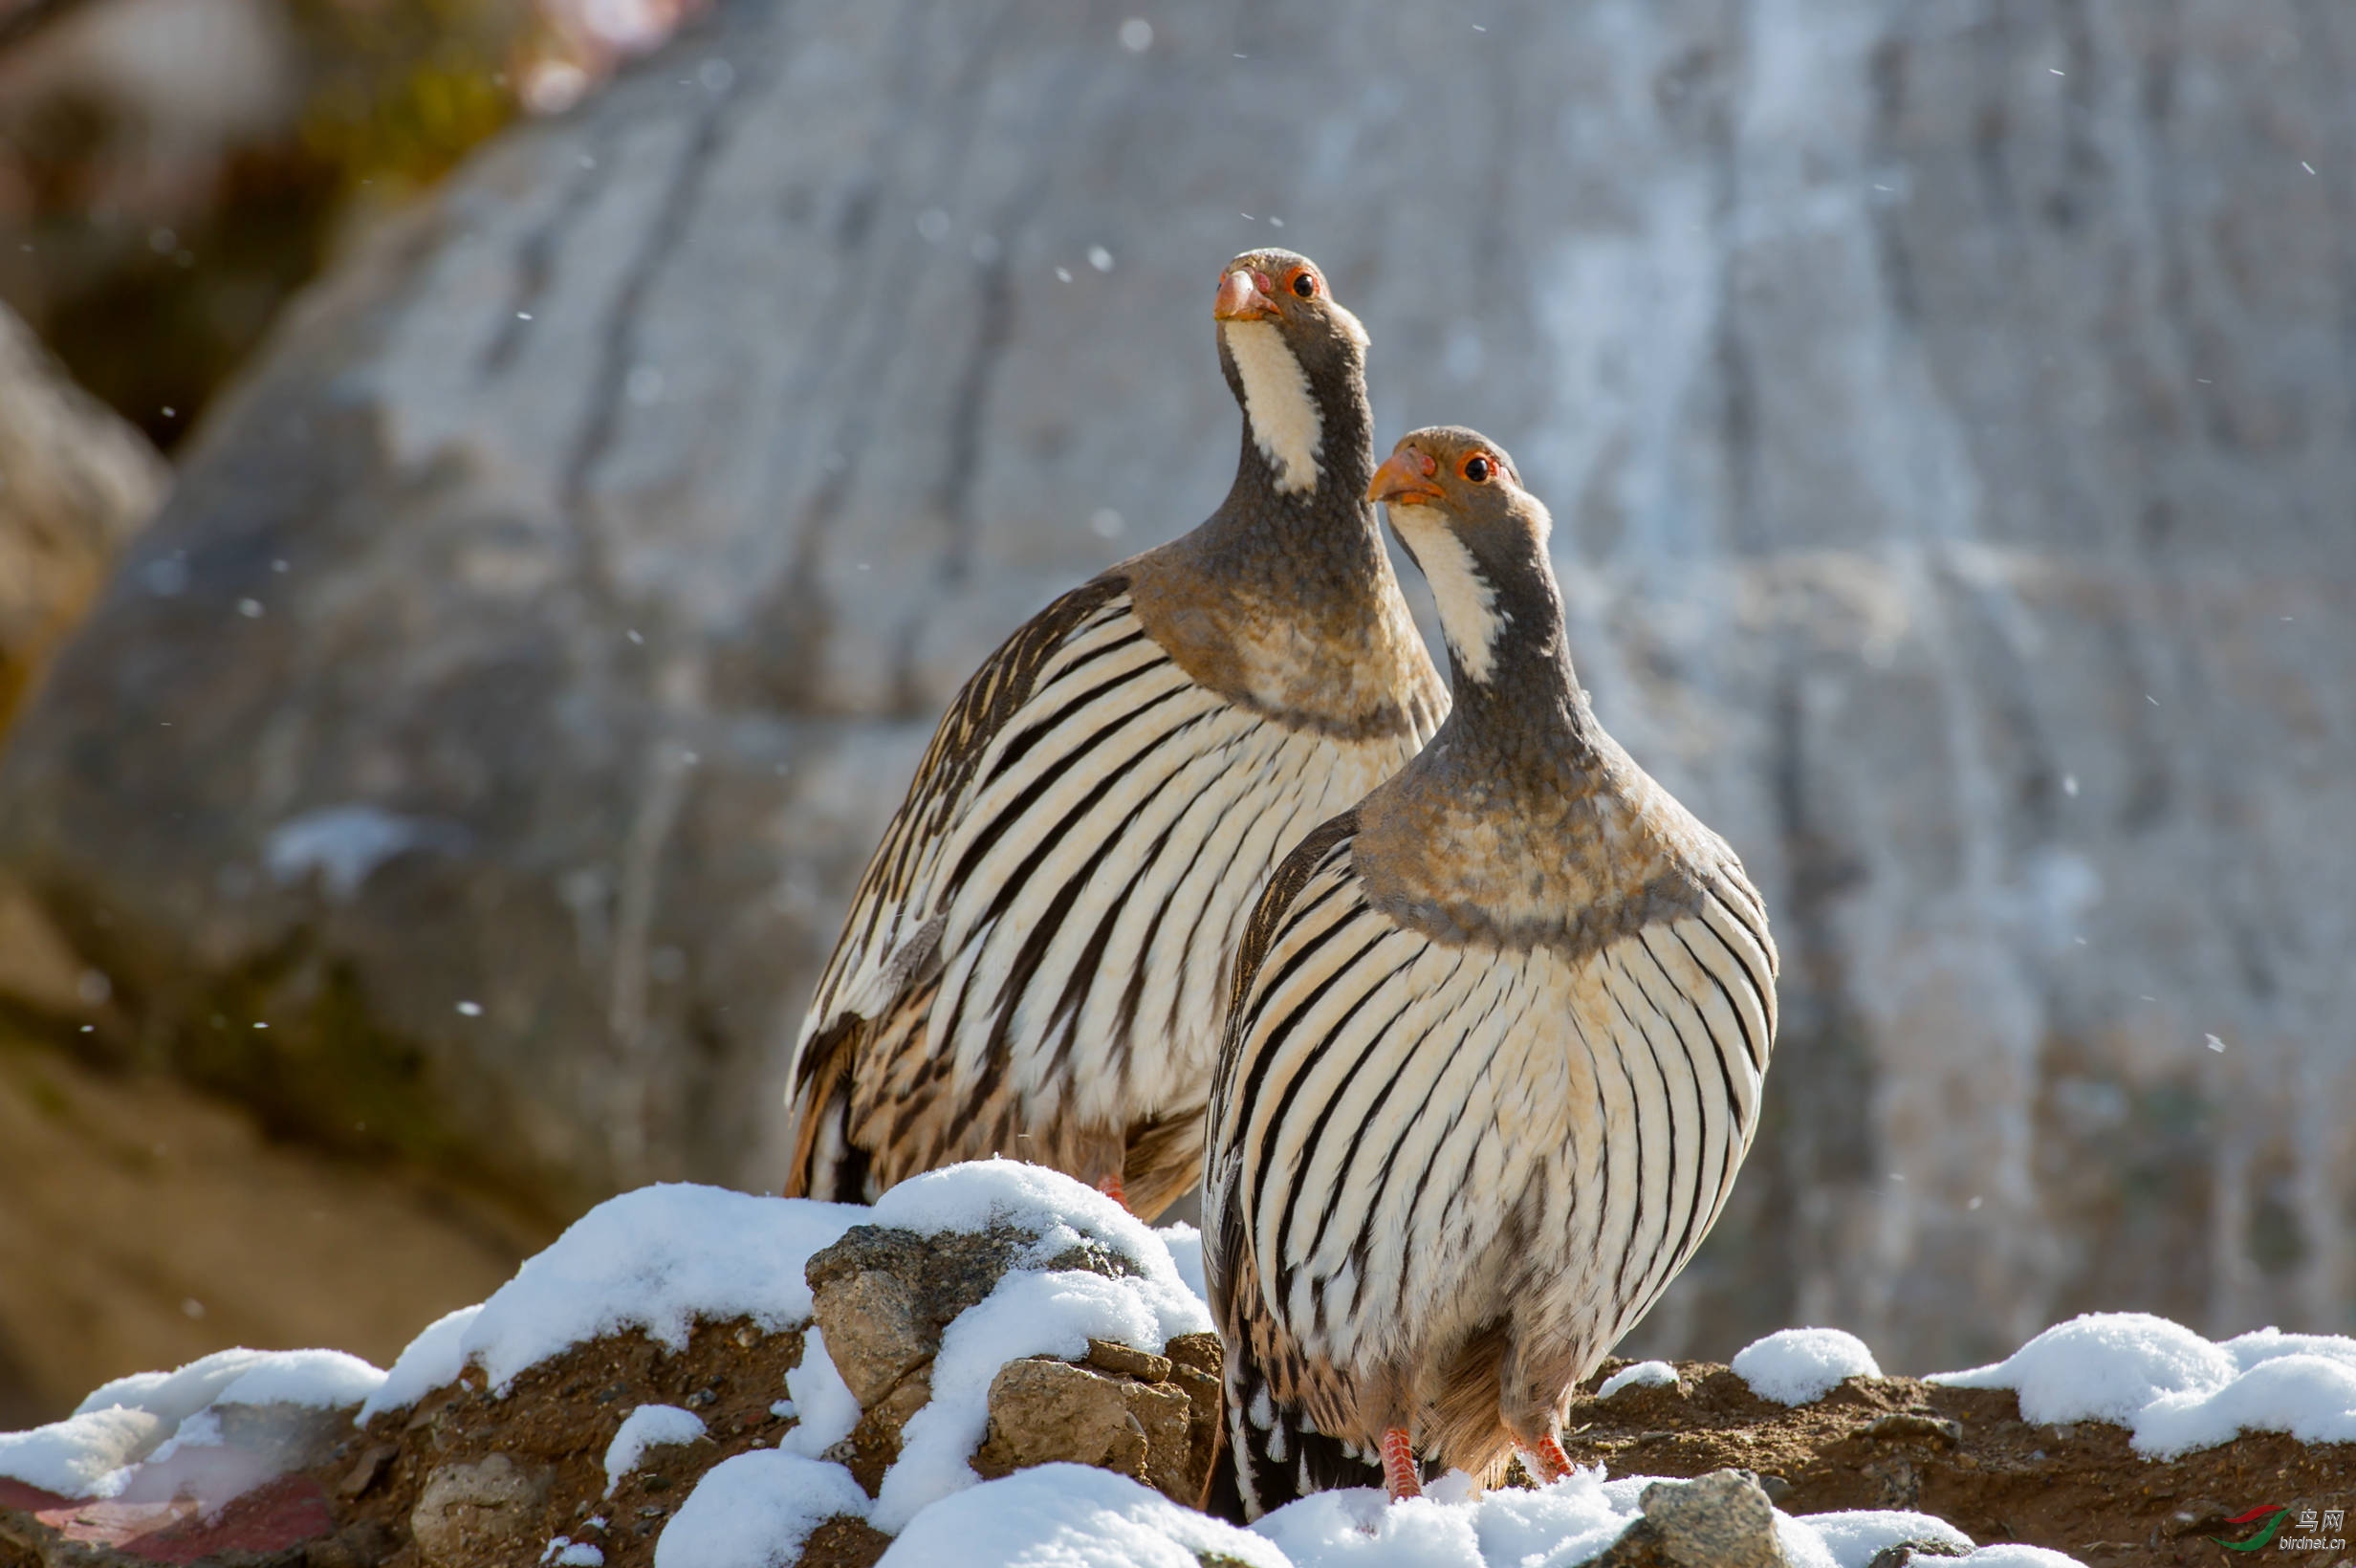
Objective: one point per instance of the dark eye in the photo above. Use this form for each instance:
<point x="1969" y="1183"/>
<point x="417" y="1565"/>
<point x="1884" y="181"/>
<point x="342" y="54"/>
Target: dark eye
<point x="1304" y="284"/>
<point x="1477" y="469"/>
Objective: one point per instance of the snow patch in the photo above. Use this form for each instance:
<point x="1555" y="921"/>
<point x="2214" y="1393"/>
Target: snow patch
<point x="85" y="1455"/>
<point x="648" y="1426"/>
<point x="1069" y="1517"/>
<point x="318" y="1380"/>
<point x="754" y="1510"/>
<point x="1854" y="1540"/>
<point x="1185" y="1254"/>
<point x="2175" y="1391"/>
<point x="1066" y="1213"/>
<point x="825" y="1406"/>
<point x="2102" y="1366"/>
<point x="656" y="1260"/>
<point x="432" y="1361"/>
<point x="1800" y="1365"/>
<point x="1641" y="1375"/>
<point x="175" y="1396"/>
<point x="2312" y="1398"/>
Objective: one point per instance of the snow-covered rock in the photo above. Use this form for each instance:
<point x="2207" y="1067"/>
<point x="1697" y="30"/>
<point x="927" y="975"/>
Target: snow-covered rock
<point x="154" y="1417"/>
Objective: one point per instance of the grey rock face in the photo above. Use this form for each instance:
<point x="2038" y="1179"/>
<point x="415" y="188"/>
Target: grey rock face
<point x="1945" y="413"/>
<point x="1719" y="1521"/>
<point x="884" y="1298"/>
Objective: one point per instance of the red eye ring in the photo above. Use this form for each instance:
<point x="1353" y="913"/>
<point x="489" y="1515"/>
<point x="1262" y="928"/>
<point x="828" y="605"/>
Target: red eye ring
<point x="1304" y="282"/>
<point x="1478" y="468"/>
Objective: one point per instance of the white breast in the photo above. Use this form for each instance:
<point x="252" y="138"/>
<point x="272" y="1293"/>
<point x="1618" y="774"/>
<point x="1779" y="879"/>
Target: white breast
<point x="1396" y="1106"/>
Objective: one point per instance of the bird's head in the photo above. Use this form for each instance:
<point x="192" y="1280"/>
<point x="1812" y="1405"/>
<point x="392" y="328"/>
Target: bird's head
<point x="1479" y="538"/>
<point x="1295" y="357"/>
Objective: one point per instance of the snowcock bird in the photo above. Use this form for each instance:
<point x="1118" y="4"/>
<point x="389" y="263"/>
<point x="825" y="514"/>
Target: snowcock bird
<point x="1496" y="1042"/>
<point x="1035" y="963"/>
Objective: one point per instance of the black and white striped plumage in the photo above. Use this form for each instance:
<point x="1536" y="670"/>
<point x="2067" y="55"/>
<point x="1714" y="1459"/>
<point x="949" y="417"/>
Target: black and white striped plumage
<point x="1035" y="963"/>
<point x="1493" y="1055"/>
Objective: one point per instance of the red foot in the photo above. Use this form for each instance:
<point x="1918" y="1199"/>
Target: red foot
<point x="1399" y="1477"/>
<point x="1110" y="1186"/>
<point x="1547" y="1458"/>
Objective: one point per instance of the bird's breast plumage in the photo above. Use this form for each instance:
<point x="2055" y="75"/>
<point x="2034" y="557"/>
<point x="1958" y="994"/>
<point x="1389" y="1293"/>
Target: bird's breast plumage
<point x="1416" y="1133"/>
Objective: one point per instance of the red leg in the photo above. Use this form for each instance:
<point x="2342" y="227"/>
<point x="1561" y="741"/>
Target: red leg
<point x="1547" y="1458"/>
<point x="1110" y="1186"/>
<point x="1399" y="1477"/>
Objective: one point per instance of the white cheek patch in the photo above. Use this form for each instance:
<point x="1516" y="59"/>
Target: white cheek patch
<point x="1469" y="613"/>
<point x="1285" y="422"/>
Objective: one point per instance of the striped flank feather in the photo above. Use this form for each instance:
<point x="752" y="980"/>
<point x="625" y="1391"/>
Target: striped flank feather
<point x="1034" y="962"/>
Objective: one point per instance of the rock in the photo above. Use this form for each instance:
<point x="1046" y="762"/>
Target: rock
<point x="1721" y="1520"/>
<point x="367" y="1471"/>
<point x="1950" y="480"/>
<point x="1127" y="1362"/>
<point x="1907" y="1554"/>
<point x="882" y="1298"/>
<point x="467" y="1510"/>
<point x="1918" y="1425"/>
<point x="76" y="484"/>
<point x="884" y="1295"/>
<point x="1042" y="1411"/>
<point x="283" y="1437"/>
<point x="873" y="1334"/>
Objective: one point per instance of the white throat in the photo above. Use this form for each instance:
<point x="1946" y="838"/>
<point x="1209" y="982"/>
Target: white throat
<point x="1286" y="424"/>
<point x="1468" y="614"/>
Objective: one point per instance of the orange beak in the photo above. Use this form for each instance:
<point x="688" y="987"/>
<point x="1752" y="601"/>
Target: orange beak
<point x="1404" y="480"/>
<point x="1244" y="295"/>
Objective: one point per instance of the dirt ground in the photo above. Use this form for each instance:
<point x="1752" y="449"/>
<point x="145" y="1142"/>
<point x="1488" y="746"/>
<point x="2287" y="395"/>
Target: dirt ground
<point x="1967" y="1456"/>
<point x="556" y="1422"/>
<point x="1964" y="1456"/>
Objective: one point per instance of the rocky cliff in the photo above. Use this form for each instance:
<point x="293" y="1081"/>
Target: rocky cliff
<point x="1946" y="415"/>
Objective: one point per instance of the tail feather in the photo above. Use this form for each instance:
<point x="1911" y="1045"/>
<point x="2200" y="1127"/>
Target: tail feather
<point x="826" y="1163"/>
<point x="1277" y="1455"/>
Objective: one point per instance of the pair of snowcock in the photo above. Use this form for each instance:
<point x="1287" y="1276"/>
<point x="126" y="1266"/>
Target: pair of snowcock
<point x="1458" y="1018"/>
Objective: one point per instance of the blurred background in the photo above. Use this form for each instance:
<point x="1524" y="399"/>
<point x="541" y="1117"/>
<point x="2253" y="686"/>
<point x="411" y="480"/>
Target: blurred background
<point x="494" y="493"/>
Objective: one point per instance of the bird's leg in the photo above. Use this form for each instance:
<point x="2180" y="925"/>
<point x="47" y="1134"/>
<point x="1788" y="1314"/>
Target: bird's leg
<point x="1399" y="1477"/>
<point x="1547" y="1458"/>
<point x="1110" y="1186"/>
